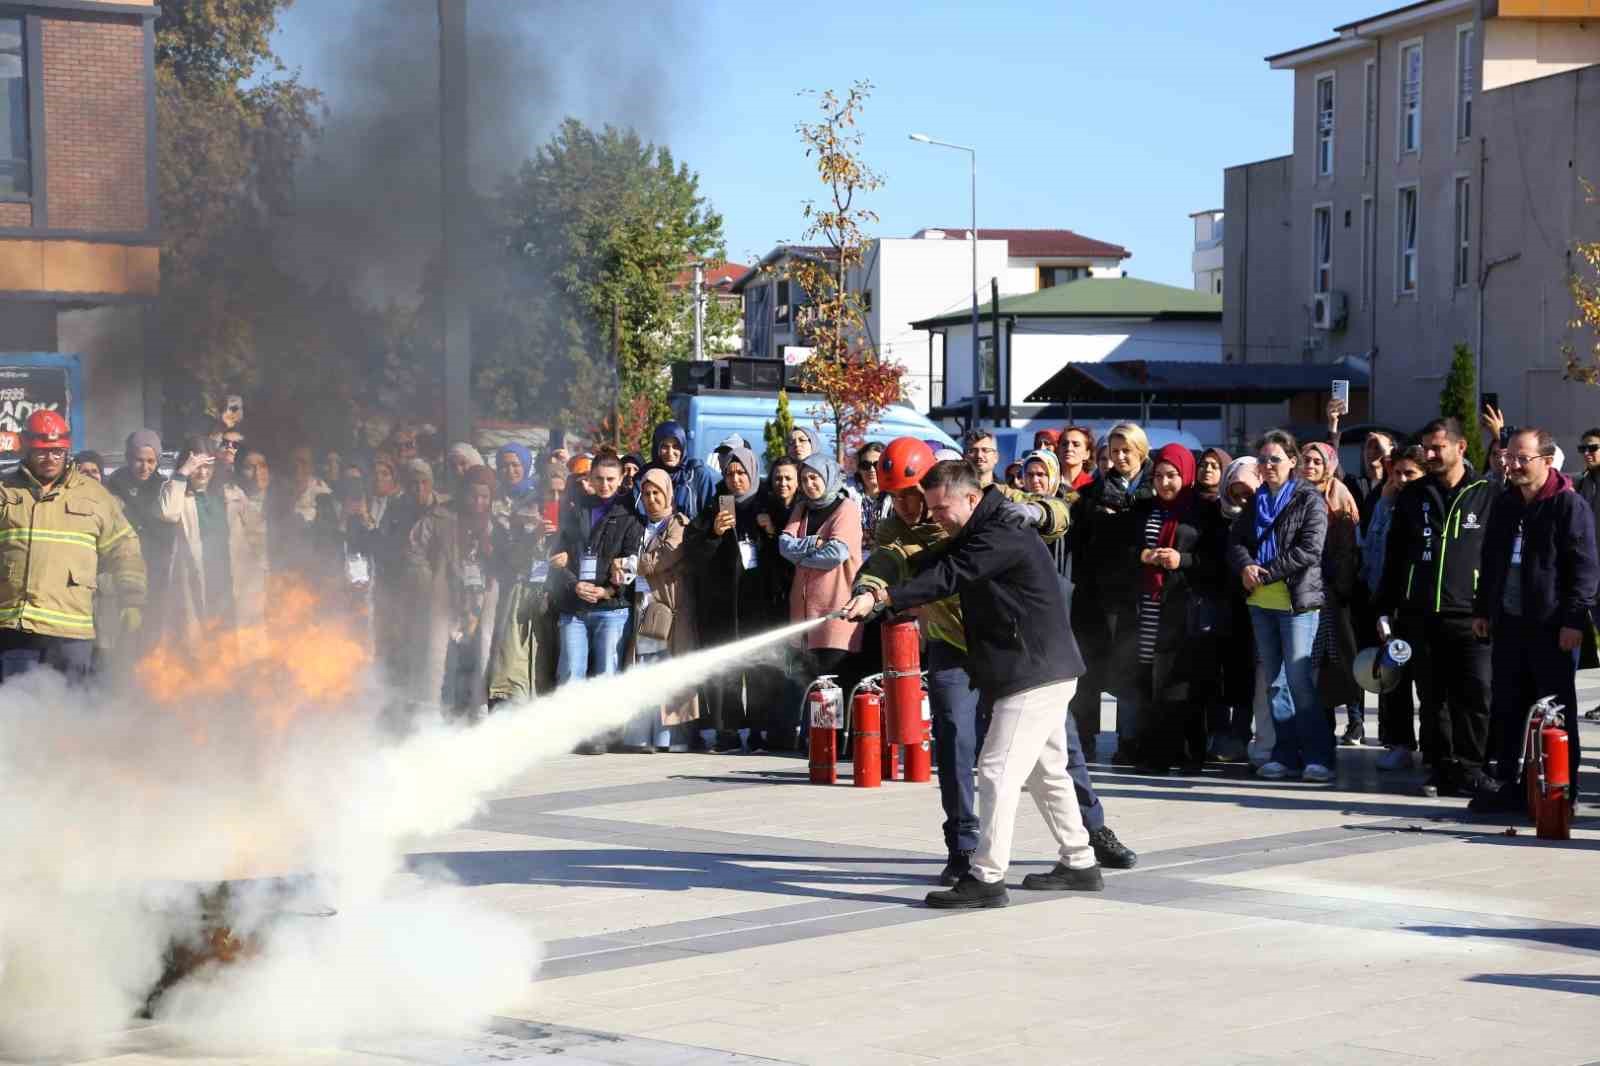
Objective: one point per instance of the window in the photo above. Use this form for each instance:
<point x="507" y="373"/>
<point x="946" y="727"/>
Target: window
<point x="1406" y="240"/>
<point x="1463" y="231"/>
<point x="1369" y="241"/>
<point x="1466" y="39"/>
<point x="1369" y="114"/>
<point x="780" y="304"/>
<point x="988" y="365"/>
<point x="15" y="180"/>
<point x="1321" y="249"/>
<point x="1050" y="277"/>
<point x="1219" y="285"/>
<point x="1324" y="126"/>
<point x="1411" y="98"/>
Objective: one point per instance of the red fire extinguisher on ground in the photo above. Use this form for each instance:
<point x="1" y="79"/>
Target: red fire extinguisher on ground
<point x="1546" y="770"/>
<point x="825" y="709"/>
<point x="866" y="728"/>
<point x="903" y="697"/>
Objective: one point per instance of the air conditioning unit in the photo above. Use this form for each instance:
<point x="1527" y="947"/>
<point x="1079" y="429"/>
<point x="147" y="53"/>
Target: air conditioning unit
<point x="1330" y="310"/>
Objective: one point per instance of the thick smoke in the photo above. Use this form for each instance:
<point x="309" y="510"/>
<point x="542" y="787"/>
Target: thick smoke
<point x="121" y="810"/>
<point x="368" y="202"/>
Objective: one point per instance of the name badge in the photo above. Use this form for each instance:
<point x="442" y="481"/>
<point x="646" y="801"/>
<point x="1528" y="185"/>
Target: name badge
<point x="472" y="576"/>
<point x="747" y="554"/>
<point x="1516" y="548"/>
<point x="641" y="586"/>
<point x="588" y="567"/>
<point x="357" y="570"/>
<point x="538" y="572"/>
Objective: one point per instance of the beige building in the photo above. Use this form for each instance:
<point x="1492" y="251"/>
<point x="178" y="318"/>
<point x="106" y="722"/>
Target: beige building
<point x="1432" y="197"/>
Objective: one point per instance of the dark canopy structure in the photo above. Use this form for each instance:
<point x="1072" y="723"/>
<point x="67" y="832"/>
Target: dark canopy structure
<point x="1140" y="380"/>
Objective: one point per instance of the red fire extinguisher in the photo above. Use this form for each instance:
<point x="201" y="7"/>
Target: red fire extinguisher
<point x="902" y="686"/>
<point x="866" y="720"/>
<point x="824" y="708"/>
<point x="919" y="756"/>
<point x="1546" y="770"/>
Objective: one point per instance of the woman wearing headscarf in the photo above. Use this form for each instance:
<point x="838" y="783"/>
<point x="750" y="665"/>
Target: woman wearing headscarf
<point x="803" y="443"/>
<point x="1336" y="645"/>
<point x="248" y="537"/>
<point x="1179" y="558"/>
<point x="664" y="609"/>
<point x="517" y="481"/>
<point x="734" y="563"/>
<point x="201" y="591"/>
<point x="1041" y="476"/>
<point x="1208" y="473"/>
<point x="694" y="486"/>
<point x="1235" y="715"/>
<point x="460" y="458"/>
<point x="455" y="552"/>
<point x="1275" y="552"/>
<point x="823" y="540"/>
<point x="1106" y="588"/>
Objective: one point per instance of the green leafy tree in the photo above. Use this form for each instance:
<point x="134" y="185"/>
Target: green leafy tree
<point x="854" y="382"/>
<point x="1459" y="399"/>
<point x="597" y="224"/>
<point x="232" y="124"/>
<point x="777" y="431"/>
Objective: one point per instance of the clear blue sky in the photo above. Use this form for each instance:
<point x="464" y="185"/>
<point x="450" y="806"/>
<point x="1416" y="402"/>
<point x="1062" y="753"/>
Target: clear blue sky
<point x="1113" y="120"/>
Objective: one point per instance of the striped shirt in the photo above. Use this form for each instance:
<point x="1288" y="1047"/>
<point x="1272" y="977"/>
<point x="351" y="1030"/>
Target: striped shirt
<point x="1150" y="605"/>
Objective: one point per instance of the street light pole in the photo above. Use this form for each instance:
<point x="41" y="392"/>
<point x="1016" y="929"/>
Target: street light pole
<point x="972" y="155"/>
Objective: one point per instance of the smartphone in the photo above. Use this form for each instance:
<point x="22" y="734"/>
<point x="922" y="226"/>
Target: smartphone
<point x="1491" y="399"/>
<point x="725" y="504"/>
<point x="1341" y="395"/>
<point x="552" y="511"/>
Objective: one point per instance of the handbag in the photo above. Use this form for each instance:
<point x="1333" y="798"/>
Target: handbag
<point x="655" y="621"/>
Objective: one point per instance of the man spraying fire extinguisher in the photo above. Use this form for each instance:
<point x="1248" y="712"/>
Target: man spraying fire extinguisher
<point x="62" y="537"/>
<point x="1021" y="657"/>
<point x="908" y="540"/>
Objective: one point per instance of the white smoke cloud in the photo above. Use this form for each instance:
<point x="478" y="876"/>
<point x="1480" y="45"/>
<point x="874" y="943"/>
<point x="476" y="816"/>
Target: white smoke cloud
<point x="119" y="812"/>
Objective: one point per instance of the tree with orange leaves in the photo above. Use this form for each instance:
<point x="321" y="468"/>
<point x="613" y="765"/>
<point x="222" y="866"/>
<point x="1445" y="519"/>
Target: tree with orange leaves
<point x="1585" y="287"/>
<point x="854" y="382"/>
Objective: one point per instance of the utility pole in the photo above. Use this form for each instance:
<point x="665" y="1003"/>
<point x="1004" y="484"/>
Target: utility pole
<point x="699" y="311"/>
<point x="616" y="381"/>
<point x="454" y="195"/>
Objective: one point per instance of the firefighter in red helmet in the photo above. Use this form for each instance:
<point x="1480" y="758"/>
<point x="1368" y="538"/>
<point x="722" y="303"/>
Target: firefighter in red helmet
<point x="62" y="537"/>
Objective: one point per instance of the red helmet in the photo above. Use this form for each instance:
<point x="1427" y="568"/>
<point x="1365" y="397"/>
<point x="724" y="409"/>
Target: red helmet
<point x="903" y="463"/>
<point x="47" y="429"/>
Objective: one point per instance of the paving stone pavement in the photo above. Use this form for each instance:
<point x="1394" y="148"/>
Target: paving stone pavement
<point x="718" y="909"/>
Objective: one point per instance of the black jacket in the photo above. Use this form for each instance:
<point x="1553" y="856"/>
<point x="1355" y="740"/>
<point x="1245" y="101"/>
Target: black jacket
<point x="1432" y="557"/>
<point x="1302" y="531"/>
<point x="1559" y="570"/>
<point x="1014" y="609"/>
<point x="617" y="534"/>
<point x="1103" y="525"/>
<point x="1588" y="487"/>
<point x="730" y="601"/>
<point x="1197" y="584"/>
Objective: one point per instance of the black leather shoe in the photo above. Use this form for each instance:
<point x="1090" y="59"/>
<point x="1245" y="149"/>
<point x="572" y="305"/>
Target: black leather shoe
<point x="959" y="866"/>
<point x="1111" y="852"/>
<point x="1065" y="879"/>
<point x="1508" y="797"/>
<point x="970" y="894"/>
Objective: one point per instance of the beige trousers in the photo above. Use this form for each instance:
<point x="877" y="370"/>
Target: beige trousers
<point x="1027" y="744"/>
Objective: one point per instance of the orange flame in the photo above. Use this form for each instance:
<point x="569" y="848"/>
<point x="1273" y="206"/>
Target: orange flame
<point x="305" y="656"/>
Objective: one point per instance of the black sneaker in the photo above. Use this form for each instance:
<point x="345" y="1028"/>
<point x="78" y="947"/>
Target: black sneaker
<point x="970" y="894"/>
<point x="1478" y="783"/>
<point x="1505" y="798"/>
<point x="726" y="742"/>
<point x="1355" y="732"/>
<point x="1065" y="879"/>
<point x="1111" y="852"/>
<point x="959" y="866"/>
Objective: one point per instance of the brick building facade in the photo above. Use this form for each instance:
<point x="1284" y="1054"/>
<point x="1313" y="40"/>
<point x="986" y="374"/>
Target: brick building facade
<point x="79" y="225"/>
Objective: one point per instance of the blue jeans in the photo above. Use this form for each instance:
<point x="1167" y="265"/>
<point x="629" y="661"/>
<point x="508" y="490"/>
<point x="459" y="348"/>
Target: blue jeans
<point x="954" y="703"/>
<point x="1284" y="641"/>
<point x="591" y="644"/>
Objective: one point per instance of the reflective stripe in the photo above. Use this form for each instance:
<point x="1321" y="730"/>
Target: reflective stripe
<point x="27" y="612"/>
<point x="115" y="539"/>
<point x="51" y="536"/>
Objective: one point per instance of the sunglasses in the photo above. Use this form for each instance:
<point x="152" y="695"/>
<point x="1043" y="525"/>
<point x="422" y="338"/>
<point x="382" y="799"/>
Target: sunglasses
<point x="230" y="445"/>
<point x="1590" y="449"/>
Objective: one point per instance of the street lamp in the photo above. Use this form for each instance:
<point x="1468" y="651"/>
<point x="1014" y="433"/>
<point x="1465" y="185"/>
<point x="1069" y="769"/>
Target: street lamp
<point x="972" y="153"/>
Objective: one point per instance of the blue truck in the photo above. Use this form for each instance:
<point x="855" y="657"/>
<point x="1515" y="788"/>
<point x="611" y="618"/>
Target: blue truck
<point x="708" y="416"/>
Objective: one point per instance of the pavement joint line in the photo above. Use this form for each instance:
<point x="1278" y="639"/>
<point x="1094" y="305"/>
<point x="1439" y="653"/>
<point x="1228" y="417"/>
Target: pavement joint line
<point x="754" y="926"/>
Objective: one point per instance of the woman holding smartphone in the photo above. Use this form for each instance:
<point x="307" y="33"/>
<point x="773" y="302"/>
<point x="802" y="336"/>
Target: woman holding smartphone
<point x="823" y="541"/>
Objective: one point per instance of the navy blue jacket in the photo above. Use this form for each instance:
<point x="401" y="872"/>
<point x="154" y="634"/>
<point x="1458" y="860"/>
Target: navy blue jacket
<point x="1559" y="570"/>
<point x="1014" y="607"/>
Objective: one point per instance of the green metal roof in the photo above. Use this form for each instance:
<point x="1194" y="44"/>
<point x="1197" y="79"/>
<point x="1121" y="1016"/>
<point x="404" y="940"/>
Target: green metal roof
<point x="1096" y="298"/>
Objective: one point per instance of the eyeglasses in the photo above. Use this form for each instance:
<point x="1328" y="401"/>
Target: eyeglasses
<point x="1524" y="460"/>
<point x="234" y="408"/>
<point x="231" y="445"/>
<point x="1589" y="449"/>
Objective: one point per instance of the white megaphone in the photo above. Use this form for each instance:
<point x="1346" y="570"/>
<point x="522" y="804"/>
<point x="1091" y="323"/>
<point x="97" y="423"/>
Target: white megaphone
<point x="1377" y="669"/>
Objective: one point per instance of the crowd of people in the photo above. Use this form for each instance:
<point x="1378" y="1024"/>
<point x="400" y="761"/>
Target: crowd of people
<point x="1220" y="600"/>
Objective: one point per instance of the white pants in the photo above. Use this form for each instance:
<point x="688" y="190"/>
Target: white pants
<point x="1027" y="743"/>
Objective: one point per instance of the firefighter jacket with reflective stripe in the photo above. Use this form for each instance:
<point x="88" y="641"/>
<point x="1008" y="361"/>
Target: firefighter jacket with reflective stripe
<point x="56" y="546"/>
<point x="1435" y="547"/>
